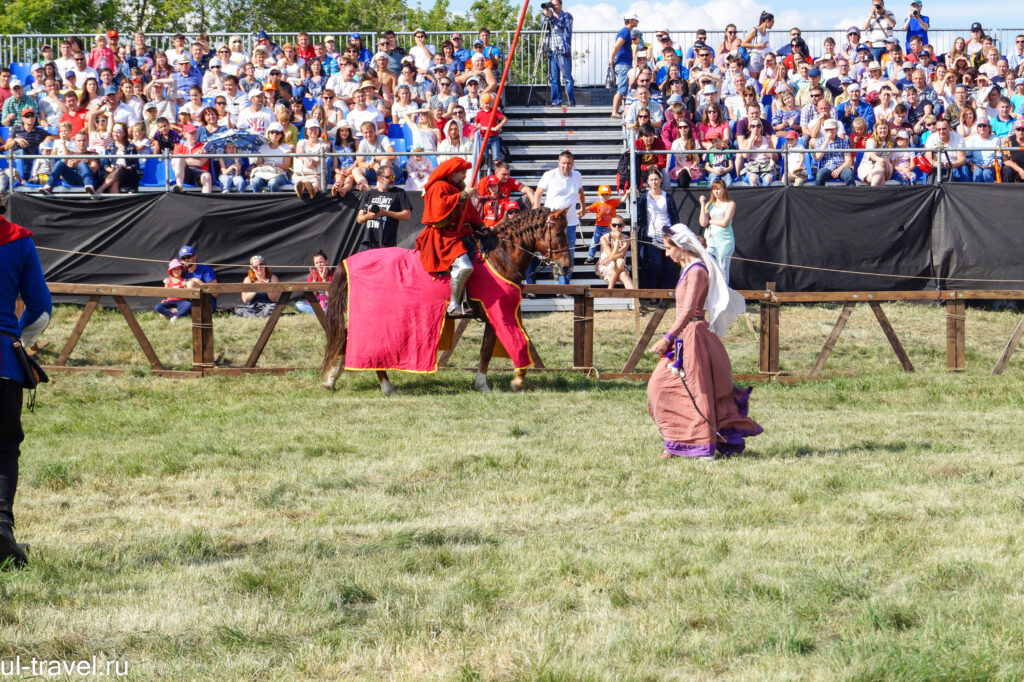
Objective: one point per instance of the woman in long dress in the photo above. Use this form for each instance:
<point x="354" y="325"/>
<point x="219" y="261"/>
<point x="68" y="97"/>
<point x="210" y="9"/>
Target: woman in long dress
<point x="690" y="395"/>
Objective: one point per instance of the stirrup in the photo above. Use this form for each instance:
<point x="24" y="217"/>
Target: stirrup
<point x="459" y="310"/>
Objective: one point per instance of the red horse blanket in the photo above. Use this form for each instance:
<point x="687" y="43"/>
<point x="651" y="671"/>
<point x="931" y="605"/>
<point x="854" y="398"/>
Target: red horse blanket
<point x="396" y="311"/>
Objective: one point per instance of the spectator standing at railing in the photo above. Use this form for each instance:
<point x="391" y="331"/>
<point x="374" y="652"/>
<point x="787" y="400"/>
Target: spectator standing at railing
<point x="1013" y="155"/>
<point x="564" y="189"/>
<point x="557" y="28"/>
<point x="620" y="60"/>
<point x="17" y="103"/>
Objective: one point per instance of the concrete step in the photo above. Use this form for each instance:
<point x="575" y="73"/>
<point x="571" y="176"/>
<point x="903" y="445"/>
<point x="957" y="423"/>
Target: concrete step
<point x="545" y="111"/>
<point x="581" y="164"/>
<point x="611" y="151"/>
<point x="563" y="123"/>
<point x="560" y="137"/>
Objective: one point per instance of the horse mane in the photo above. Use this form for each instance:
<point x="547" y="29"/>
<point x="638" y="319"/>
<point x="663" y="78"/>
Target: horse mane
<point x="524" y="224"/>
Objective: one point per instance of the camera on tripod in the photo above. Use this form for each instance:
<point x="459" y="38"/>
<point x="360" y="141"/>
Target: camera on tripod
<point x="546" y="5"/>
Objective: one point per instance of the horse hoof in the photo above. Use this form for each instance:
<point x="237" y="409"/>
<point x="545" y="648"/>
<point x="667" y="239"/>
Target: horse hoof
<point x="480" y="383"/>
<point x="518" y="385"/>
<point x="387" y="388"/>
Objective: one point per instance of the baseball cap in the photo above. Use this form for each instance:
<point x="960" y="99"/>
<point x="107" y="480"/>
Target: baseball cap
<point x="110" y="90"/>
<point x="781" y="88"/>
<point x="847" y="80"/>
<point x="262" y="35"/>
<point x="419" y="30"/>
<point x="863" y="48"/>
<point x="186" y="251"/>
<point x="477" y="42"/>
<point x="983" y="120"/>
<point x="510" y="205"/>
<point x="909" y="66"/>
<point x="791" y="135"/>
<point x="354" y="35"/>
<point x="456" y="35"/>
<point x="634" y="33"/>
<point x="492" y="180"/>
<point x="255" y="92"/>
<point x="189" y="129"/>
<point x="1019" y="81"/>
<point x="853" y="86"/>
<point x="903" y="133"/>
<point x="486" y="98"/>
<point x="69" y="74"/>
<point x="976" y="26"/>
<point x="1019" y="125"/>
<point x="268" y="86"/>
<point x="149" y="105"/>
<point x="632" y="16"/>
<point x="380" y="55"/>
<point x="472" y="79"/>
<point x="604" y="189"/>
<point x="708" y="89"/>
<point x="15" y="83"/>
<point x="312" y="123"/>
<point x="675" y="98"/>
<point x="112" y="34"/>
<point x="175" y="263"/>
<point x="275" y="127"/>
<point x="27" y="110"/>
<point x="813" y="72"/>
<point x="916" y="3"/>
<point x="830" y="123"/>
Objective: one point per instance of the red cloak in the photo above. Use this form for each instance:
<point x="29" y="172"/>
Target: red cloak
<point x="440" y="242"/>
<point x="10" y="232"/>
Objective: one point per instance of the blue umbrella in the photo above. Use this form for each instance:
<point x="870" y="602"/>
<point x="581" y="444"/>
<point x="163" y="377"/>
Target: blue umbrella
<point x="245" y="141"/>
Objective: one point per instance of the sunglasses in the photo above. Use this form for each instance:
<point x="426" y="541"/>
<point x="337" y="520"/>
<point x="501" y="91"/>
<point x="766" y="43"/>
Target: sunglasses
<point x="618" y="225"/>
<point x="79" y="59"/>
<point x="643" y="116"/>
<point x="220" y="103"/>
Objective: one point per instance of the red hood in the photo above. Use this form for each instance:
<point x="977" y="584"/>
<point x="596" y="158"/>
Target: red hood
<point x="10" y="232"/>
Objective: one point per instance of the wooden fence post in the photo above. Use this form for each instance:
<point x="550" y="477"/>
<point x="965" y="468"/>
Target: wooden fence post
<point x="583" y="330"/>
<point x="768" y="357"/>
<point x="955" y="335"/>
<point x="202" y="333"/>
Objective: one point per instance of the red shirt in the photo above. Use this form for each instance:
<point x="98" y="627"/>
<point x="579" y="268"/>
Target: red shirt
<point x="605" y="211"/>
<point x="482" y="118"/>
<point x="77" y="120"/>
<point x="306" y="53"/>
<point x="183" y="148"/>
<point x="492" y="209"/>
<point x="505" y="189"/>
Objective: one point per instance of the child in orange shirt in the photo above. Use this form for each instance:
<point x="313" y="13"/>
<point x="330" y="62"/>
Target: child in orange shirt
<point x="605" y="210"/>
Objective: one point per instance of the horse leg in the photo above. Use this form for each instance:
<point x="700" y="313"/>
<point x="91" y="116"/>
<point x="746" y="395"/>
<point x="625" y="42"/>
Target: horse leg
<point x="333" y="372"/>
<point x="486" y="350"/>
<point x="386" y="387"/>
<point x="519" y="380"/>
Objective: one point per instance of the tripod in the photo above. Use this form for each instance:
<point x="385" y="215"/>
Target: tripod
<point x="540" y="53"/>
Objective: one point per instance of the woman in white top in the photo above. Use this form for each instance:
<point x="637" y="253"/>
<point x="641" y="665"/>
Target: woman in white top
<point x="454" y="142"/>
<point x="421" y="52"/>
<point x="293" y="67"/>
<point x="424" y="129"/>
<point x="306" y="171"/>
<point x="717" y="216"/>
<point x="757" y="163"/>
<point x="756" y="43"/>
<point x="403" y="103"/>
<point x="876" y="167"/>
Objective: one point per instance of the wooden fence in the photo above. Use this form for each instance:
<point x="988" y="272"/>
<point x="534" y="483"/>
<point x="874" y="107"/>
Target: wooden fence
<point x="769" y="300"/>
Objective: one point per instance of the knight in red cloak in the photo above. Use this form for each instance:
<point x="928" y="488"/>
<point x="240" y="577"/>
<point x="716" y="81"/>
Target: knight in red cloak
<point x="445" y="244"/>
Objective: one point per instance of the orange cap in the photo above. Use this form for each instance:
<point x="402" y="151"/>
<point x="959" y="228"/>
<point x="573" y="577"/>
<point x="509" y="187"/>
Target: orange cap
<point x="604" y="189"/>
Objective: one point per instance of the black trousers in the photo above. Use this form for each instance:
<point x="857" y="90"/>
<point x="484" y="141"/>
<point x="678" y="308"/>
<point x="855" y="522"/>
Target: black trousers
<point x="11" y="435"/>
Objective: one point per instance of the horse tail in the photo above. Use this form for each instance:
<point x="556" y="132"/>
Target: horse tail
<point x="337" y="299"/>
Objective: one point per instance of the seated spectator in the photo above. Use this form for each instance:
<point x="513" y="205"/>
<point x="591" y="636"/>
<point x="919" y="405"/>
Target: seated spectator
<point x="757" y="164"/>
<point x="258" y="304"/>
<point x="42" y="166"/>
<point x="75" y="172"/>
<point x="137" y="136"/>
<point x="25" y="138"/>
<point x="346" y="175"/>
<point x="307" y="171"/>
<point x="417" y="171"/>
<point x="886" y="103"/>
<point x="174" y="307"/>
<point x="191" y="170"/>
<point x="424" y="130"/>
<point x="375" y="153"/>
<point x="403" y="103"/>
<point x="903" y="167"/>
<point x="719" y="164"/>
<point x="1002" y="124"/>
<point x="213" y="80"/>
<point x="362" y="113"/>
<point x="321" y="272"/>
<point x="982" y="162"/>
<point x="270" y="169"/>
<point x="750" y="114"/>
<point x="833" y="162"/>
<point x="476" y="69"/>
<point x="231" y="170"/>
<point x="120" y="164"/>
<point x="643" y="103"/>
<point x="713" y="126"/>
<point x="1013" y="155"/>
<point x="876" y="167"/>
<point x="470" y="102"/>
<point x="165" y="138"/>
<point x="785" y="113"/>
<point x="454" y="144"/>
<point x="297" y="114"/>
<point x="283" y="115"/>
<point x="611" y="266"/>
<point x="688" y="167"/>
<point x="257" y="118"/>
<point x="795" y="166"/>
<point x="648" y="141"/>
<point x="954" y="158"/>
<point x="209" y="124"/>
<point x="491" y="204"/>
<point x="17" y="103"/>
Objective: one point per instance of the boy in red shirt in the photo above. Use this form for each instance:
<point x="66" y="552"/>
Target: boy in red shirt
<point x="605" y="211"/>
<point x="492" y="205"/>
<point x="191" y="171"/>
<point x="483" y="118"/>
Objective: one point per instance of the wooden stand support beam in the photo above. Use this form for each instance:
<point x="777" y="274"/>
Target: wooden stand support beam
<point x="645" y="337"/>
<point x="768" y="356"/>
<point x="830" y="343"/>
<point x="268" y="329"/>
<point x="321" y="316"/>
<point x="890" y="334"/>
<point x="583" y="332"/>
<point x="1011" y="346"/>
<point x="140" y="336"/>
<point x="202" y="333"/>
<point x="76" y="333"/>
<point x="955" y="335"/>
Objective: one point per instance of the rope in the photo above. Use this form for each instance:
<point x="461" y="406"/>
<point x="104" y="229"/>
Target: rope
<point x="164" y="262"/>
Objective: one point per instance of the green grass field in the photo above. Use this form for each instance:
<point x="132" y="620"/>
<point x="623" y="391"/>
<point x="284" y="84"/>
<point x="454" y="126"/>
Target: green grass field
<point x="259" y="528"/>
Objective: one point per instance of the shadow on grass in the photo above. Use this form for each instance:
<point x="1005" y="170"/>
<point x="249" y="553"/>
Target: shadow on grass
<point x="461" y="381"/>
<point x="869" y="446"/>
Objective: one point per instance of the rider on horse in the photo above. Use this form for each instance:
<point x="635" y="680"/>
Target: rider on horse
<point x="445" y="244"/>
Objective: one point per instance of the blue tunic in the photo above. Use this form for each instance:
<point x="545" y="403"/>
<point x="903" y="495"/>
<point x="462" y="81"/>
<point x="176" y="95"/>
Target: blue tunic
<point x="21" y="273"/>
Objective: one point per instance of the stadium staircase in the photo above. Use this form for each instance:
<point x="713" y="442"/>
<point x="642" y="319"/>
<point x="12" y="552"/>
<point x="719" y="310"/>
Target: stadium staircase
<point x="534" y="136"/>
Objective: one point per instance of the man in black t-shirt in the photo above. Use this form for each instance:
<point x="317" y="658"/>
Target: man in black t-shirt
<point x="380" y="210"/>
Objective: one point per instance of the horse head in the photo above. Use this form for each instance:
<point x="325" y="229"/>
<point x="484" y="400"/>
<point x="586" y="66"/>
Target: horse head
<point x="540" y="233"/>
<point x="553" y="243"/>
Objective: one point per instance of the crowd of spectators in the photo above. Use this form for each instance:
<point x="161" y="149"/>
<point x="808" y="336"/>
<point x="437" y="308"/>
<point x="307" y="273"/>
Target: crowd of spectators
<point x="852" y="107"/>
<point x="306" y="97"/>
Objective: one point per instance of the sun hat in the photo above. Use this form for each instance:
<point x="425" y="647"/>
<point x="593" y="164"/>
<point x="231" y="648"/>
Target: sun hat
<point x="176" y="262"/>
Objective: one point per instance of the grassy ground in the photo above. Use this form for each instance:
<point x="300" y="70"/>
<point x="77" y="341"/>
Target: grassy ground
<point x="258" y="528"/>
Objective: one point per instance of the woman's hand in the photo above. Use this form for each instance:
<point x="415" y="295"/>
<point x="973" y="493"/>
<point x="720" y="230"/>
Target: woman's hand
<point x="660" y="346"/>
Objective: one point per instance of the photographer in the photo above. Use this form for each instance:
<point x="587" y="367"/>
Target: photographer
<point x="916" y="24"/>
<point x="879" y="27"/>
<point x="558" y="49"/>
<point x="380" y="210"/>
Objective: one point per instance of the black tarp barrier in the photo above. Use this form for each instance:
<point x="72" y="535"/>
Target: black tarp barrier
<point x="882" y="230"/>
<point x="952" y="230"/>
<point x="978" y="231"/>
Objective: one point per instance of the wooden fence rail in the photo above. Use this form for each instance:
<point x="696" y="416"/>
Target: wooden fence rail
<point x="769" y="300"/>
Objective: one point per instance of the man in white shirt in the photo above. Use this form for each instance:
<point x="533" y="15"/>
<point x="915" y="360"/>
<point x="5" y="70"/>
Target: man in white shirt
<point x="66" y="61"/>
<point x="343" y="83"/>
<point x="256" y="118"/>
<point x="237" y="100"/>
<point x="179" y="50"/>
<point x="362" y="112"/>
<point x="121" y="112"/>
<point x="954" y="159"/>
<point x="51" y="104"/>
<point x="564" y="189"/>
<point x="82" y="69"/>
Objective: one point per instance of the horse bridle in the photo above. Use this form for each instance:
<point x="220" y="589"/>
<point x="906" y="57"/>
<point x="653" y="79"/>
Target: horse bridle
<point x="543" y="258"/>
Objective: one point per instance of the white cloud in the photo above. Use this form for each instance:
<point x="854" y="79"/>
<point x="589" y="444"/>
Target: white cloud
<point x="677" y="15"/>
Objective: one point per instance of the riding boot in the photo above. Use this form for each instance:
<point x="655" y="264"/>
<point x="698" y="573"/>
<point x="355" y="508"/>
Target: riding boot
<point x="462" y="268"/>
<point x="11" y="553"/>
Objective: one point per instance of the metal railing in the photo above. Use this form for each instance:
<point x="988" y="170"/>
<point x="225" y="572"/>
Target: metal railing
<point x="591" y="49"/>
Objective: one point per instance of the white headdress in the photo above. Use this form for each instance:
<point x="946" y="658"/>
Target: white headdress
<point x="723" y="304"/>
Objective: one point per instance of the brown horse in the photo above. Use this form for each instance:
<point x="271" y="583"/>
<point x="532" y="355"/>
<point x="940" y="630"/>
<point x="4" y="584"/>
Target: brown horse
<point x="540" y="232"/>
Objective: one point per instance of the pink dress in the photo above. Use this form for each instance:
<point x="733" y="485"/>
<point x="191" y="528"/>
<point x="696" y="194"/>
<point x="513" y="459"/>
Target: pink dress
<point x="708" y="375"/>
